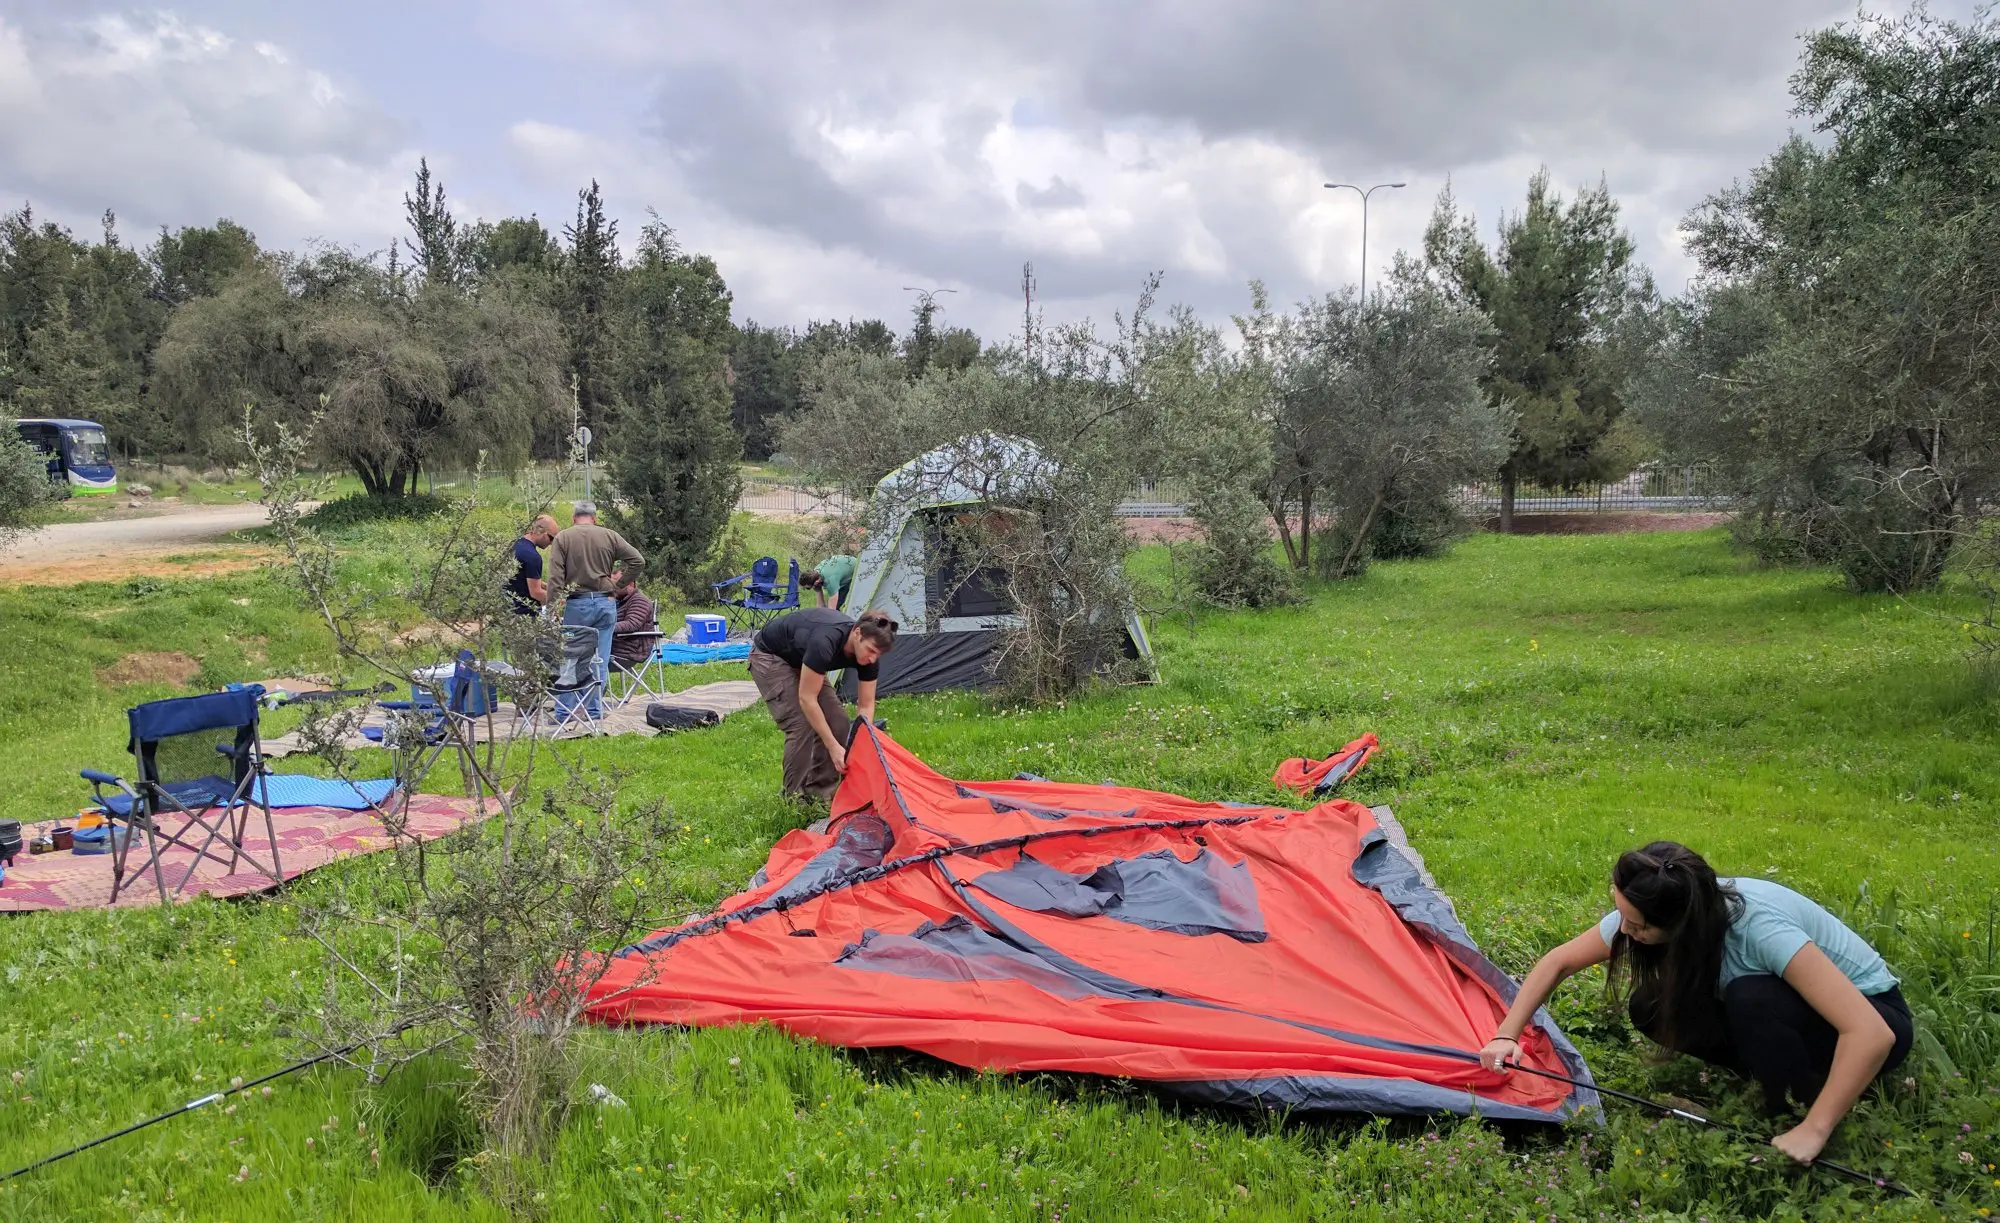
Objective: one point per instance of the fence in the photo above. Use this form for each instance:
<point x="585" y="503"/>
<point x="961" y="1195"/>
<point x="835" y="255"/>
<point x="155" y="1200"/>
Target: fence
<point x="1651" y="488"/>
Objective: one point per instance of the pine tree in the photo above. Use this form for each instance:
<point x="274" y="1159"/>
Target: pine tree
<point x="672" y="451"/>
<point x="438" y="250"/>
<point x="590" y="282"/>
<point x="195" y="261"/>
<point x="673" y="462"/>
<point x="60" y="375"/>
<point x="1553" y="288"/>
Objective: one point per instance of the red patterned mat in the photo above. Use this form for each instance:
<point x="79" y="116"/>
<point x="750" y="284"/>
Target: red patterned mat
<point x="308" y="838"/>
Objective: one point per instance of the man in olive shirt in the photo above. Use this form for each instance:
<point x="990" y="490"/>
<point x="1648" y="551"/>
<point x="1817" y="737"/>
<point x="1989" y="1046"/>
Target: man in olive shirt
<point x="581" y="563"/>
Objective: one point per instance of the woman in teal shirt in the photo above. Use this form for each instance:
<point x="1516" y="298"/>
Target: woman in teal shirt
<point x="831" y="580"/>
<point x="1742" y="973"/>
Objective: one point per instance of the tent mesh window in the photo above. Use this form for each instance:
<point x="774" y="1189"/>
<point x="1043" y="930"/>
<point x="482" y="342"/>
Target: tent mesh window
<point x="952" y="583"/>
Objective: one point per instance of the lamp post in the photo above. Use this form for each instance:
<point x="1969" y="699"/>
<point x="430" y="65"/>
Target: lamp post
<point x="1364" y="223"/>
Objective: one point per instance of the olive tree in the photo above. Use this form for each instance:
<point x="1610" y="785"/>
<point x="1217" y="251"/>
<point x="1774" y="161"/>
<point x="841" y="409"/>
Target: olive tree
<point x="1838" y="359"/>
<point x="1380" y="416"/>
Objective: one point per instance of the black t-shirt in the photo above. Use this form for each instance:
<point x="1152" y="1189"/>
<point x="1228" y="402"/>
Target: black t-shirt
<point x="527" y="564"/>
<point x="815" y="638"/>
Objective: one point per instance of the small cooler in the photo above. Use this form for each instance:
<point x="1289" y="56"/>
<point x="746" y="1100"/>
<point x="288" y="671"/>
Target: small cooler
<point x="707" y="630"/>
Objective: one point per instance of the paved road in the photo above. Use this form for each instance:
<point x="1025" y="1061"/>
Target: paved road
<point x="179" y="526"/>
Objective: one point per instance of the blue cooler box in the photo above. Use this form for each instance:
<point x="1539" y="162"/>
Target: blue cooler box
<point x="707" y="630"/>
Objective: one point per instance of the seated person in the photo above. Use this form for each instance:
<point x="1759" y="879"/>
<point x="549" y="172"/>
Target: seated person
<point x="637" y="630"/>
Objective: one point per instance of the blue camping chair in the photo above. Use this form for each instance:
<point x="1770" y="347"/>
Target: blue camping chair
<point x="422" y="729"/>
<point x="736" y="593"/>
<point x="183" y="793"/>
<point x="762" y="605"/>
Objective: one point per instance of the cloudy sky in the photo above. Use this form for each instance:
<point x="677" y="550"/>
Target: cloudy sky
<point x="829" y="155"/>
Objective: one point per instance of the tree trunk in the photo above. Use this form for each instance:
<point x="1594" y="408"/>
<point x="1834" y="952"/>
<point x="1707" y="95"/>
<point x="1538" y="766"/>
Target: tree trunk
<point x="1283" y="517"/>
<point x="1507" y="481"/>
<point x="1305" y="522"/>
<point x="1280" y="507"/>
<point x="1360" y="538"/>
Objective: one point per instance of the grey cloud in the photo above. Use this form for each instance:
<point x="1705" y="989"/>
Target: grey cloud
<point x="739" y="145"/>
<point x="1183" y="135"/>
<point x="1421" y="89"/>
<point x="1428" y="84"/>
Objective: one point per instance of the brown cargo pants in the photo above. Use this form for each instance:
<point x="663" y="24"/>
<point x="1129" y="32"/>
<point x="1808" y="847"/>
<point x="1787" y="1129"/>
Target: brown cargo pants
<point x="808" y="768"/>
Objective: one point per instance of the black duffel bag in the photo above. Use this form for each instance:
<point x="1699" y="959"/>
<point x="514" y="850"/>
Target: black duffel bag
<point x="669" y="718"/>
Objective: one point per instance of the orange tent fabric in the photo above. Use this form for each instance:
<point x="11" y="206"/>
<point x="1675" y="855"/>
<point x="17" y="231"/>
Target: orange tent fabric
<point x="1250" y="955"/>
<point x="1302" y="776"/>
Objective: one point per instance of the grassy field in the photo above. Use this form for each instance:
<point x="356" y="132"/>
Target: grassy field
<point x="1544" y="703"/>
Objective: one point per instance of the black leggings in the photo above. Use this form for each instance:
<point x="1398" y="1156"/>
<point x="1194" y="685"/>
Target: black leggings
<point x="1766" y="1031"/>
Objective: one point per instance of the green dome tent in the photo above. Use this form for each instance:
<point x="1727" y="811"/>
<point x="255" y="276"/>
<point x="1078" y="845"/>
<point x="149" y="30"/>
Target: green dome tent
<point x="952" y="618"/>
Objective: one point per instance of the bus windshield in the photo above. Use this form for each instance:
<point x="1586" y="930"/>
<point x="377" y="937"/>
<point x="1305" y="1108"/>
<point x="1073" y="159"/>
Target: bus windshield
<point x="88" y="448"/>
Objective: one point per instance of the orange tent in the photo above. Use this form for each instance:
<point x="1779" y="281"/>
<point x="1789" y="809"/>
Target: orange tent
<point x="1248" y="955"/>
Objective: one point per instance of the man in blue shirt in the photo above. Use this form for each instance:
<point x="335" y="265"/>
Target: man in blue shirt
<point x="526" y="589"/>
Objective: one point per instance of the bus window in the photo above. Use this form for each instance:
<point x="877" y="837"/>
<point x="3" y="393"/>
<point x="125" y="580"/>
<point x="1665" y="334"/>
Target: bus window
<point x="87" y="448"/>
<point x="41" y="437"/>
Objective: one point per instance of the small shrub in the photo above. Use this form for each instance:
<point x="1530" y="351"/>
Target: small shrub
<point x="359" y="508"/>
<point x="1422" y="526"/>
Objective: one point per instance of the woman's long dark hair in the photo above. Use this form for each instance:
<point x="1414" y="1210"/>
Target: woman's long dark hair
<point x="1675" y="980"/>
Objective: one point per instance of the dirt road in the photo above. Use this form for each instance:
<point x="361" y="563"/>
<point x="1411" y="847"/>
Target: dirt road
<point x="128" y="547"/>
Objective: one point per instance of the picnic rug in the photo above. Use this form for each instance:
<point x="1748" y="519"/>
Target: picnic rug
<point x="721" y="698"/>
<point x="308" y="838"/>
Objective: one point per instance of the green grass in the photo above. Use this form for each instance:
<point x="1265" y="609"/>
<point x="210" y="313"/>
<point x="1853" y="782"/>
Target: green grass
<point x="1544" y="703"/>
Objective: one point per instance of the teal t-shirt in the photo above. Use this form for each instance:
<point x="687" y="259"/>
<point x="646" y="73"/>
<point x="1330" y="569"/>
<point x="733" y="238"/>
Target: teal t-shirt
<point x="838" y="574"/>
<point x="1774" y="924"/>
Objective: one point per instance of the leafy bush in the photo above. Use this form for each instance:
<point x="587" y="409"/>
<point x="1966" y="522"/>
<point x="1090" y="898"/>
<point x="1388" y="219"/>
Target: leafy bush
<point x="358" y="508"/>
<point x="1418" y="526"/>
<point x="24" y="483"/>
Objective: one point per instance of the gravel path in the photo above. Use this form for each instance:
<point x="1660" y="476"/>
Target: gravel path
<point x="75" y="541"/>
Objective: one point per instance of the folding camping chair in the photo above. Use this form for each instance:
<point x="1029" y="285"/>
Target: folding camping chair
<point x="645" y="678"/>
<point x="579" y="684"/>
<point x="760" y="582"/>
<point x="179" y="797"/>
<point x="761" y="606"/>
<point x="760" y="598"/>
<point x="420" y="729"/>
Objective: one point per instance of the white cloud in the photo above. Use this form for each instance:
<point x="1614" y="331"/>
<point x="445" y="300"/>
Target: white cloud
<point x="170" y="122"/>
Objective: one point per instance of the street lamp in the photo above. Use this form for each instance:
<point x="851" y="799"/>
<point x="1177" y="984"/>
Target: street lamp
<point x="1364" y="223"/>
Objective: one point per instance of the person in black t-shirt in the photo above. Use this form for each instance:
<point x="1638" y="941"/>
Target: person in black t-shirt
<point x="790" y="658"/>
<point x="526" y="587"/>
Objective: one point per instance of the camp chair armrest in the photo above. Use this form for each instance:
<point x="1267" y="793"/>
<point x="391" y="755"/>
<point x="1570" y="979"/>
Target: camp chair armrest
<point x="738" y="580"/>
<point x="400" y="705"/>
<point x="103" y="779"/>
